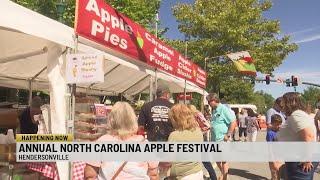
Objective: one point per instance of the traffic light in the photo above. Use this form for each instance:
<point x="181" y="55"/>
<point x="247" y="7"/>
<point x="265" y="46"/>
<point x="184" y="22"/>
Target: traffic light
<point x="253" y="81"/>
<point x="294" y="80"/>
<point x="267" y="79"/>
<point x="288" y="83"/>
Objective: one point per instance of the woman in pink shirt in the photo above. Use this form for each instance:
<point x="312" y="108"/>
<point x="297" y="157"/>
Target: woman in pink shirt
<point x="123" y="126"/>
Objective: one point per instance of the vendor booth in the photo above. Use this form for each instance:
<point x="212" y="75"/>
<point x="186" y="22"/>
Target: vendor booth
<point x="33" y="50"/>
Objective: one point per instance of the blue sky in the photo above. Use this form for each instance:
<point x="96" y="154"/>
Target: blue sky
<point x="298" y="18"/>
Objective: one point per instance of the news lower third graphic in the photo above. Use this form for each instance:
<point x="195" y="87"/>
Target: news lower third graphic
<point x="51" y="148"/>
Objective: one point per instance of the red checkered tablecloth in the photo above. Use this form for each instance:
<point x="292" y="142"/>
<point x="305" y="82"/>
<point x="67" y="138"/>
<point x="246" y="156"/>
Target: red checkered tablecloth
<point x="78" y="170"/>
<point x="48" y="170"/>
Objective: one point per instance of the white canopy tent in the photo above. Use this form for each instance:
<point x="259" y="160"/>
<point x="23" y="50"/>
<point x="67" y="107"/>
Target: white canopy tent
<point x="38" y="35"/>
<point x="32" y="55"/>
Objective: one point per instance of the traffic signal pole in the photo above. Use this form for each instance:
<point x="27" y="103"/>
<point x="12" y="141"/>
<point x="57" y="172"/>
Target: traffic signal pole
<point x="271" y="80"/>
<point x="311" y="84"/>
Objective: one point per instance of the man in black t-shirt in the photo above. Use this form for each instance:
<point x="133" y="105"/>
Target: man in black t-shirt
<point x="154" y="116"/>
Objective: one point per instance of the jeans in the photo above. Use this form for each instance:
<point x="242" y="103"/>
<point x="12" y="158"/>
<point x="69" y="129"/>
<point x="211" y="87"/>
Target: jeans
<point x="295" y="172"/>
<point x="242" y="131"/>
<point x="210" y="170"/>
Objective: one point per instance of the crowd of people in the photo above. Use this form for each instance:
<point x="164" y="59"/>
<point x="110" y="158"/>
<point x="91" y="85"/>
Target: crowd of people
<point x="162" y="121"/>
<point x="290" y="119"/>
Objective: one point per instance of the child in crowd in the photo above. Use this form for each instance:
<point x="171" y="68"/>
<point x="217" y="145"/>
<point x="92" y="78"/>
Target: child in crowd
<point x="276" y="122"/>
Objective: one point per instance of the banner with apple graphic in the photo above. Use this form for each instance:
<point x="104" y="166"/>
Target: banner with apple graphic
<point x="97" y="21"/>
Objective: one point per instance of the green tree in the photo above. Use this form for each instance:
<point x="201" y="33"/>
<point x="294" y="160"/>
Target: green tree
<point x="263" y="101"/>
<point x="49" y="8"/>
<point x="141" y="11"/>
<point x="218" y="27"/>
<point x="311" y="95"/>
<point x="234" y="91"/>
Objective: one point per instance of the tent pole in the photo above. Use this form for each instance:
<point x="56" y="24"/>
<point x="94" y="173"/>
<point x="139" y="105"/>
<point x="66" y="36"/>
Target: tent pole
<point x="202" y="102"/>
<point x="156" y="83"/>
<point x="24" y="55"/>
<point x="203" y="98"/>
<point x="150" y="89"/>
<point x="70" y="128"/>
<point x="73" y="93"/>
<point x="30" y="92"/>
<point x="35" y="76"/>
<point x="185" y="91"/>
<point x="156" y="74"/>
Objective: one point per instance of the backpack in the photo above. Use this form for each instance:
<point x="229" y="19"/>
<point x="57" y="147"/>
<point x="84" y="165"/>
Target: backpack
<point x="202" y="122"/>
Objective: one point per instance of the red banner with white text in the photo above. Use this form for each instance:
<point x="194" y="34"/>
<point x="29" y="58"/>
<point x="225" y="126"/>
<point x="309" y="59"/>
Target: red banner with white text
<point x="99" y="22"/>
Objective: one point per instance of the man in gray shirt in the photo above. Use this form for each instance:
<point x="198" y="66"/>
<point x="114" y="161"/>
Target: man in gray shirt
<point x="276" y="109"/>
<point x="242" y="124"/>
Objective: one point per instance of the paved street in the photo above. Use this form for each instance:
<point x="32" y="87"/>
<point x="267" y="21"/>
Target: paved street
<point x="256" y="171"/>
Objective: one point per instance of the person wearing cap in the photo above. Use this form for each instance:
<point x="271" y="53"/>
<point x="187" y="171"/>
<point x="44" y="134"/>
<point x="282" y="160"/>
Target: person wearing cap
<point x="223" y="124"/>
<point x="154" y="116"/>
<point x="28" y="125"/>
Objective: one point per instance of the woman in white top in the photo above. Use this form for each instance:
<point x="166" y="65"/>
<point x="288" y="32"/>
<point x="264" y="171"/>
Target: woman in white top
<point x="299" y="127"/>
<point x="124" y="126"/>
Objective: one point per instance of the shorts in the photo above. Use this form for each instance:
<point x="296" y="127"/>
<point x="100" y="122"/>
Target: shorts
<point x="242" y="131"/>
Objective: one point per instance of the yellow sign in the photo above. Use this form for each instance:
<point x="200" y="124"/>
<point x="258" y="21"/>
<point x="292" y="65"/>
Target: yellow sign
<point x="44" y="137"/>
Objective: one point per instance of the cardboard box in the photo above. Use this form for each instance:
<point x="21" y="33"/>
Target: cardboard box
<point x="9" y="118"/>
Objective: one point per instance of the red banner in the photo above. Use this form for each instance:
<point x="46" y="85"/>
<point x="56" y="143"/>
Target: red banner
<point x="99" y="22"/>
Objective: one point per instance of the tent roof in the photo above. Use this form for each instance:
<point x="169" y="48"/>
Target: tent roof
<point x="37" y="35"/>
